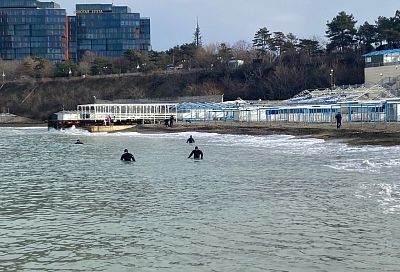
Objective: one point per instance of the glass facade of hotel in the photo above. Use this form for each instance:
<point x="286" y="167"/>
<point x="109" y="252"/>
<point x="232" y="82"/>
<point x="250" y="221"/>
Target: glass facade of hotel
<point x="72" y="38"/>
<point x="32" y="28"/>
<point x="42" y="29"/>
<point x="18" y="4"/>
<point x="108" y="30"/>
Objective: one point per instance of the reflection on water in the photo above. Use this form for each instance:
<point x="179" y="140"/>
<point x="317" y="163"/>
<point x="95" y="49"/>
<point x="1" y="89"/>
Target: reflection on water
<point x="273" y="203"/>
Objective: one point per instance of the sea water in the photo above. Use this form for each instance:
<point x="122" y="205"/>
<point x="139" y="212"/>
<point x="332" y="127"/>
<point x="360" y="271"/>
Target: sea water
<point x="255" y="203"/>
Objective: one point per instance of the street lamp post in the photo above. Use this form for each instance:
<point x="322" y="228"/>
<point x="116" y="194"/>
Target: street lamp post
<point x="381" y="79"/>
<point x="331" y="75"/>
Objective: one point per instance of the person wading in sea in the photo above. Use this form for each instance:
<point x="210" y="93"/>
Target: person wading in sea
<point x="190" y="140"/>
<point x="127" y="156"/>
<point x="198" y="154"/>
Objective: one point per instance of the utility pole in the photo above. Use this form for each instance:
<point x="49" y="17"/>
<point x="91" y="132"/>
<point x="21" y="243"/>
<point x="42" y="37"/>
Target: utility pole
<point x="197" y="35"/>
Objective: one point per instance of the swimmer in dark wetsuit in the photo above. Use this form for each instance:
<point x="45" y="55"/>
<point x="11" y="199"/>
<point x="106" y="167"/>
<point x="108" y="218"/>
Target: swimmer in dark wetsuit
<point x="127" y="156"/>
<point x="78" y="142"/>
<point x="190" y="140"/>
<point x="198" y="154"/>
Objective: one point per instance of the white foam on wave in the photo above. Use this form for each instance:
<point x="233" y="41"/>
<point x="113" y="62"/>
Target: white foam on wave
<point x="30" y="128"/>
<point x="387" y="195"/>
<point x="169" y="135"/>
<point x="282" y="142"/>
<point x="73" y="131"/>
<point x="336" y="152"/>
<point x="365" y="165"/>
<point x="357" y="165"/>
<point x="285" y="143"/>
<point x="392" y="162"/>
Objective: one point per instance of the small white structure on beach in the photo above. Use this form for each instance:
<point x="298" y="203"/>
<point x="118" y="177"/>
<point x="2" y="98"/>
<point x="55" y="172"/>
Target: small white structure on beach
<point x="67" y="115"/>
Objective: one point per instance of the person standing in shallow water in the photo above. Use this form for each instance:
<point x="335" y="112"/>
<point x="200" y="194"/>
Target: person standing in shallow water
<point x="127" y="156"/>
<point x="338" y="117"/>
<point x="196" y="153"/>
<point x="190" y="140"/>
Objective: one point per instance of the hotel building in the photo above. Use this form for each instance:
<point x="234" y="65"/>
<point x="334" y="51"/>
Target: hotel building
<point x="43" y="29"/>
<point x="107" y="30"/>
<point x="32" y="28"/>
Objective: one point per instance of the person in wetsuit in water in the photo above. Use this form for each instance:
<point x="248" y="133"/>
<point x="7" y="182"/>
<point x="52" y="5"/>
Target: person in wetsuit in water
<point x="190" y="140"/>
<point x="198" y="154"/>
<point x="127" y="156"/>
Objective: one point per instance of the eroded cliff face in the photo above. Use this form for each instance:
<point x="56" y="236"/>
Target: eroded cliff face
<point x="37" y="99"/>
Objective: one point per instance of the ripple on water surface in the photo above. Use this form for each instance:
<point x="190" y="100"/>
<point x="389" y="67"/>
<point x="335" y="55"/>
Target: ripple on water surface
<point x="255" y="203"/>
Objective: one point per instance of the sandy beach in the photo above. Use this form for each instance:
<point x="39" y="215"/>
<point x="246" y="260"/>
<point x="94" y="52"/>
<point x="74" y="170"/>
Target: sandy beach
<point x="385" y="134"/>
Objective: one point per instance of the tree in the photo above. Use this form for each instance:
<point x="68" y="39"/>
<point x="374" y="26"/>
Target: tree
<point x="224" y="53"/>
<point x="63" y="69"/>
<point x="100" y="66"/>
<point x="388" y="30"/>
<point x="182" y="55"/>
<point x="262" y="40"/>
<point x="290" y="43"/>
<point x="278" y="42"/>
<point x="197" y="36"/>
<point x="135" y="57"/>
<point x="242" y="50"/>
<point x="367" y="36"/>
<point x="120" y="65"/>
<point x="29" y="66"/>
<point x="88" y="57"/>
<point x="203" y="59"/>
<point x="309" y="47"/>
<point x="341" y="32"/>
<point x="38" y="67"/>
<point x="157" y="60"/>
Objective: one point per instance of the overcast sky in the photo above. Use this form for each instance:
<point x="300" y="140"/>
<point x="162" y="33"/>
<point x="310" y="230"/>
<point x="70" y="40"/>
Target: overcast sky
<point x="173" y="22"/>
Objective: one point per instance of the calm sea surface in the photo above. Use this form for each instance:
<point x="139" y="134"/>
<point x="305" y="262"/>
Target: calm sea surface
<point x="265" y="203"/>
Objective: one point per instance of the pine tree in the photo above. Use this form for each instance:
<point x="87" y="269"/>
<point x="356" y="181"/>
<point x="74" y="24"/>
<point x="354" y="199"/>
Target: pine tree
<point x="262" y="40"/>
<point x="197" y="36"/>
<point x="341" y="32"/>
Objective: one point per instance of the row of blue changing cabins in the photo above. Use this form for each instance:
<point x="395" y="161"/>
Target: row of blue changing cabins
<point x="352" y="111"/>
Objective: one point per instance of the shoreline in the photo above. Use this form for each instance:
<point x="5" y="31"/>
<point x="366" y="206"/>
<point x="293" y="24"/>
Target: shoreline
<point x="23" y="125"/>
<point x="382" y="134"/>
<point x="354" y="134"/>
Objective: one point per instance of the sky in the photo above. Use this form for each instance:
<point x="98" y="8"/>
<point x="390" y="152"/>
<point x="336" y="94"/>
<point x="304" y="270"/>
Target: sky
<point x="173" y="22"/>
